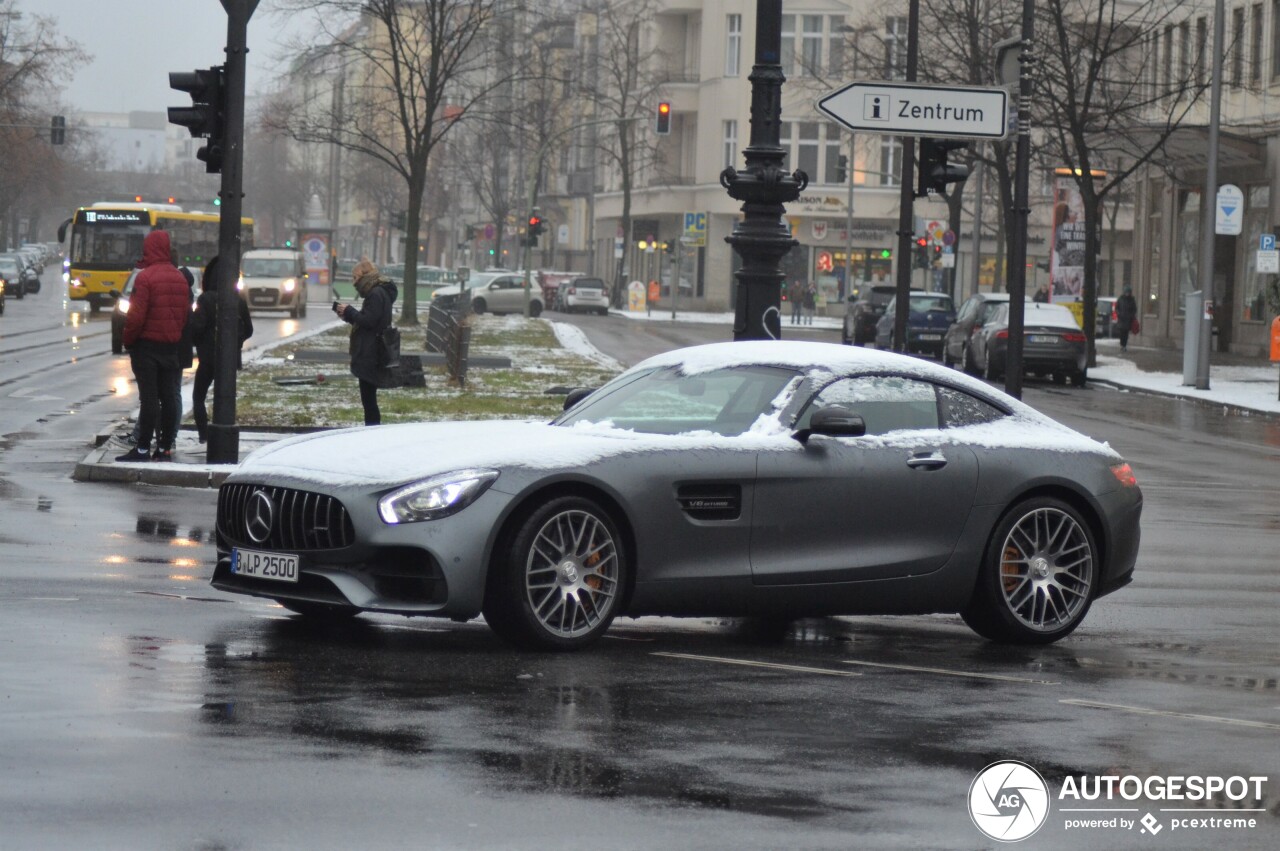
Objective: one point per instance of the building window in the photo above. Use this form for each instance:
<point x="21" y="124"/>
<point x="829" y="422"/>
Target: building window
<point x="1152" y="71"/>
<point x="1237" y="48"/>
<point x="1202" y="40"/>
<point x="807" y="148"/>
<point x="835" y="47"/>
<point x="1255" y="44"/>
<point x="831" y="155"/>
<point x="895" y="48"/>
<point x="1275" y="39"/>
<point x="811" y="46"/>
<point x="730" y="143"/>
<point x="1155" y="238"/>
<point x="788" y="58"/>
<point x="1168" y="59"/>
<point x="890" y="160"/>
<point x="733" y="45"/>
<point x="1253" y="302"/>
<point x="1184" y="54"/>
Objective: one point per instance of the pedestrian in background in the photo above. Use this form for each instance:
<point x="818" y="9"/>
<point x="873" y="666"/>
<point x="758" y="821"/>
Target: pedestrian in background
<point x="1126" y="316"/>
<point x="158" y="311"/>
<point x="367" y="323"/>
<point x="204" y="333"/>
<point x="795" y="294"/>
<point x="1042" y="294"/>
<point x="810" y="303"/>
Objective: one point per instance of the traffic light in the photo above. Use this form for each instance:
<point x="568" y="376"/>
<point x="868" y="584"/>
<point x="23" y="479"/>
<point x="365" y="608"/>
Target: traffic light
<point x="921" y="260"/>
<point x="471" y="232"/>
<point x="536" y="227"/>
<point x="205" y="118"/>
<point x="663" y="126"/>
<point x="842" y="169"/>
<point x="399" y="220"/>
<point x="58" y="130"/>
<point x="935" y="172"/>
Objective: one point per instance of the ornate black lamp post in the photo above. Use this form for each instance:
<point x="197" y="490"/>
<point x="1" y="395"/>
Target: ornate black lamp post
<point x="762" y="238"/>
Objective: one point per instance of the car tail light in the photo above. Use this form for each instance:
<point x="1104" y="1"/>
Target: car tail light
<point x="1114" y="317"/>
<point x="1073" y="337"/>
<point x="571" y="291"/>
<point x="1002" y="334"/>
<point x="1124" y="475"/>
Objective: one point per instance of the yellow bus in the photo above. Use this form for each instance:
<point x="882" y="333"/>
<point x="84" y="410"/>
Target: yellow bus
<point x="106" y="244"/>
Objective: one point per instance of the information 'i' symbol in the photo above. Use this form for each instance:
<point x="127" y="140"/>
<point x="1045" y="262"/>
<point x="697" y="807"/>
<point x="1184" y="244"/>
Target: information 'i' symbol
<point x="875" y="107"/>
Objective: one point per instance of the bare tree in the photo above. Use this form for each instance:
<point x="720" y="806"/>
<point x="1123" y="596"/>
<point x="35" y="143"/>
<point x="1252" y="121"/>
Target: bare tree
<point x="280" y="186"/>
<point x="410" y="70"/>
<point x="1106" y="105"/>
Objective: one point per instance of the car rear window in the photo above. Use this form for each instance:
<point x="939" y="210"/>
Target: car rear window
<point x="1053" y="315"/>
<point x="588" y="284"/>
<point x="925" y="303"/>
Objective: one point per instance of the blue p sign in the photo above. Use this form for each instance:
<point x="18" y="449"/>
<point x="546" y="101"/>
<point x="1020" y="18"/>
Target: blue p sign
<point x="1267" y="242"/>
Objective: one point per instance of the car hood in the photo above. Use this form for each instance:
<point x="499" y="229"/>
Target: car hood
<point x="395" y="454"/>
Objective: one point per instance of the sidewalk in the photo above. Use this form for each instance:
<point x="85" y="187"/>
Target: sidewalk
<point x="1239" y="385"/>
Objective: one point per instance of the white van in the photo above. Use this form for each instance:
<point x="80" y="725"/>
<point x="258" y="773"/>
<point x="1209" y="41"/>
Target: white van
<point x="274" y="279"/>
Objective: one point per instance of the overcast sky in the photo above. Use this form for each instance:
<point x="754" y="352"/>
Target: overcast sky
<point x="132" y="45"/>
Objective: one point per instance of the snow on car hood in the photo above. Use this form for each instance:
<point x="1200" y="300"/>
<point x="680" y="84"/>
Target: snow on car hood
<point x="393" y="454"/>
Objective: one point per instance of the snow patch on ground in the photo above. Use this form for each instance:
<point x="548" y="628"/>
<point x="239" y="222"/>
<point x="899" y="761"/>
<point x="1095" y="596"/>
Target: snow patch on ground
<point x="572" y="338"/>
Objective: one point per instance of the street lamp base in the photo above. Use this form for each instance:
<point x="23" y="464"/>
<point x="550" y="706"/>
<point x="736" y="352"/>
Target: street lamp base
<point x="224" y="444"/>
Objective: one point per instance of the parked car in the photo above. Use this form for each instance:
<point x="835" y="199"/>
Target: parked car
<point x="641" y="502"/>
<point x="494" y="292"/>
<point x="28" y="279"/>
<point x="274" y="279"/>
<point x="976" y="310"/>
<point x="929" y="315"/>
<point x="1106" y="326"/>
<point x="12" y="272"/>
<point x="584" y="294"/>
<point x="863" y="309"/>
<point x="1053" y="344"/>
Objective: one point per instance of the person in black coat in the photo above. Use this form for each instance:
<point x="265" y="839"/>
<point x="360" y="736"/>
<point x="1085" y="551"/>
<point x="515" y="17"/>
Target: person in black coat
<point x="204" y="329"/>
<point x="367" y="322"/>
<point x="1126" y="312"/>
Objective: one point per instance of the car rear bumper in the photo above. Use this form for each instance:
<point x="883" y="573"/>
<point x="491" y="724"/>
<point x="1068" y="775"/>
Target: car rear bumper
<point x="1123" y="510"/>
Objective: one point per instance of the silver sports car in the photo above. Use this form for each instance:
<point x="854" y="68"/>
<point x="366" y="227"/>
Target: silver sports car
<point x="779" y="479"/>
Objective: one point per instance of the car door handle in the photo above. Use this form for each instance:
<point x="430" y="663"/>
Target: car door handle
<point x="932" y="460"/>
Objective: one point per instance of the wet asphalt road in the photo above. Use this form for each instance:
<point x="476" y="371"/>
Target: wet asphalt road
<point x="141" y="709"/>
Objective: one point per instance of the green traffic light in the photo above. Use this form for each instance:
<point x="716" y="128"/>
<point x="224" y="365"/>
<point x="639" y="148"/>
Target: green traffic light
<point x="886" y="254"/>
<point x="491" y="252"/>
<point x="288" y="243"/>
<point x="217" y="202"/>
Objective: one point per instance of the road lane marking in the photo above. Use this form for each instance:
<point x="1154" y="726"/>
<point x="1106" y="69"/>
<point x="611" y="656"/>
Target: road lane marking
<point x="949" y="673"/>
<point x="1141" y="710"/>
<point x="753" y="664"/>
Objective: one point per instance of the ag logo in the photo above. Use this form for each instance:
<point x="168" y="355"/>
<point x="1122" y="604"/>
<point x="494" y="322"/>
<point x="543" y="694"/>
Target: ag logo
<point x="1008" y="801"/>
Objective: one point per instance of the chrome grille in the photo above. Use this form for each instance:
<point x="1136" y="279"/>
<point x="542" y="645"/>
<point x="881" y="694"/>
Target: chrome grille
<point x="303" y="520"/>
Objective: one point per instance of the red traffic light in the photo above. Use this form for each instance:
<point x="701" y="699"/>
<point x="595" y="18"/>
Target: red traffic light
<point x="663" y="125"/>
<point x="922" y="241"/>
<point x="137" y="199"/>
<point x="534" y="221"/>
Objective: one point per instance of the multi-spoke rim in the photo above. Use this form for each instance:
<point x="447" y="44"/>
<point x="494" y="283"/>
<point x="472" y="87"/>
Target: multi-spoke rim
<point x="571" y="574"/>
<point x="1046" y="569"/>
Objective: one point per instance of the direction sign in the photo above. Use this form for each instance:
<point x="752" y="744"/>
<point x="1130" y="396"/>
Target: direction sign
<point x="909" y="109"/>
<point x="1229" y="218"/>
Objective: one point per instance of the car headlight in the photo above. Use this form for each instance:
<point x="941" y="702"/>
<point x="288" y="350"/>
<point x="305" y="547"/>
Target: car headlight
<point x="124" y="305"/>
<point x="240" y="284"/>
<point x="289" y="284"/>
<point x="436" y="497"/>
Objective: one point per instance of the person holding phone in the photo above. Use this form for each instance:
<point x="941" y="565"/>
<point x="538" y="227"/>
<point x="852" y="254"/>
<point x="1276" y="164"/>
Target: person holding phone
<point x="367" y="322"/>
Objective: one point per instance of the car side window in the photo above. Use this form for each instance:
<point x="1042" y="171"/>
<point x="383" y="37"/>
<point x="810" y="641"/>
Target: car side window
<point x="886" y="403"/>
<point x="961" y="409"/>
<point x="967" y="309"/>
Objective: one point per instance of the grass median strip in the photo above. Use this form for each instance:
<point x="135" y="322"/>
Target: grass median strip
<point x="276" y="390"/>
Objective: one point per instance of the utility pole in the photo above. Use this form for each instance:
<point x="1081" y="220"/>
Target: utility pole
<point x="1208" y="208"/>
<point x="1021" y="191"/>
<point x="224" y="434"/>
<point x="975" y="262"/>
<point x="848" y="222"/>
<point x="761" y="238"/>
<point x="906" y="202"/>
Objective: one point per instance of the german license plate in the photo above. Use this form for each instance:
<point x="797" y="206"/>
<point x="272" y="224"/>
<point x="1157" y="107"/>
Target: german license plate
<point x="1041" y="338"/>
<point x="279" y="567"/>
<point x="930" y="336"/>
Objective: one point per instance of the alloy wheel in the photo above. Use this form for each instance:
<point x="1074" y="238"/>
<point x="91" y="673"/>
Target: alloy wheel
<point x="1046" y="569"/>
<point x="571" y="573"/>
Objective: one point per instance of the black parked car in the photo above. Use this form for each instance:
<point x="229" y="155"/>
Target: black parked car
<point x="929" y="317"/>
<point x="863" y="310"/>
<point x="1052" y="344"/>
<point x="20" y="275"/>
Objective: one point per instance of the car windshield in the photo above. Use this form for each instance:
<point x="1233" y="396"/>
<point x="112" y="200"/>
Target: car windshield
<point x="665" y="401"/>
<point x="925" y="303"/>
<point x="8" y="267"/>
<point x="267" y="267"/>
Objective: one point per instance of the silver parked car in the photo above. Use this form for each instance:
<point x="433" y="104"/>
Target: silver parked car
<point x="782" y="479"/>
<point x="493" y="292"/>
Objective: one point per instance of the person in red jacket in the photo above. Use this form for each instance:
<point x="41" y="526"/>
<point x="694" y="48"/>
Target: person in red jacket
<point x="158" y="312"/>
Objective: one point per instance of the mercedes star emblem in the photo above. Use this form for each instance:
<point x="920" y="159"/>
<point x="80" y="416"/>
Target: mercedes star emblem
<point x="259" y="516"/>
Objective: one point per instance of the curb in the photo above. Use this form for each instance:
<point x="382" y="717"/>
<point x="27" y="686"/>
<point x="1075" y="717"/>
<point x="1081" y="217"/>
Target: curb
<point x="1235" y="410"/>
<point x="97" y="466"/>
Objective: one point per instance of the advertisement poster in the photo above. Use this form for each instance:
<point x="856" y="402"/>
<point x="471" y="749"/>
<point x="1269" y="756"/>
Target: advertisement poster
<point x="315" y="252"/>
<point x="1066" y="259"/>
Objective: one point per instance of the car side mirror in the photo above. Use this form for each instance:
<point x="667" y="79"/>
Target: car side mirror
<point x="576" y="395"/>
<point x="833" y="421"/>
<point x="114" y="295"/>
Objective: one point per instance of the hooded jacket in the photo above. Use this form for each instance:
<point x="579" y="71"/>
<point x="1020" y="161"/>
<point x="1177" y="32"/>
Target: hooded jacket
<point x="367" y="323"/>
<point x="161" y="300"/>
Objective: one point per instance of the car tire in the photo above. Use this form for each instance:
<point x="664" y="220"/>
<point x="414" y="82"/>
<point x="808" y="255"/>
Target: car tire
<point x="967" y="360"/>
<point x="1079" y="378"/>
<point x="1038" y="575"/>
<point x="319" y="611"/>
<point x="540" y="593"/>
<point x="117" y="345"/>
<point x="1059" y="378"/>
<point x="992" y="372"/>
<point x="478" y="305"/>
<point x="302" y="308"/>
<point x="94" y="307"/>
<point x="945" y="356"/>
<point x="535" y="309"/>
<point x="20" y="291"/>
